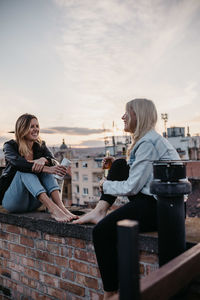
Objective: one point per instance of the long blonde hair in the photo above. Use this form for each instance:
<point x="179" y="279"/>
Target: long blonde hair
<point x="22" y="127"/>
<point x="146" y="116"/>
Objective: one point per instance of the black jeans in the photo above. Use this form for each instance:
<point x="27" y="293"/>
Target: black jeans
<point x="142" y="208"/>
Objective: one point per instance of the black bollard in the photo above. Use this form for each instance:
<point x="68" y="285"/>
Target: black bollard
<point x="128" y="260"/>
<point x="170" y="186"/>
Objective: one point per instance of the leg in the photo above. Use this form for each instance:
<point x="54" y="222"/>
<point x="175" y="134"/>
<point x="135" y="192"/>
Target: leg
<point x="118" y="171"/>
<point x="52" y="187"/>
<point x="26" y="193"/>
<point x="19" y="198"/>
<point x="141" y="208"/>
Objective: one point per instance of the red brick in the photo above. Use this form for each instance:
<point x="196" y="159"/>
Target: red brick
<point x="79" y="243"/>
<point x="78" y="266"/>
<point x="12" y="228"/>
<point x="72" y="288"/>
<point x="36" y="295"/>
<point x="94" y="271"/>
<point x="4" y="253"/>
<point x="61" y="261"/>
<point x="24" y="280"/>
<point x="26" y="241"/>
<point x="31" y="234"/>
<point x="52" y="270"/>
<point x="32" y="273"/>
<point x="84" y="255"/>
<point x="49" y="280"/>
<point x="3" y="235"/>
<point x="87" y="281"/>
<point x="52" y="238"/>
<point x="17" y="248"/>
<point x="55" y="293"/>
<point x="41" y="245"/>
<point x="15" y="275"/>
<point x="13" y="238"/>
<point x="66" y="251"/>
<point x="53" y="248"/>
<point x="15" y="267"/>
<point x="95" y="296"/>
<point x="27" y="262"/>
<point x="43" y="255"/>
<point x="31" y="252"/>
<point x="67" y="274"/>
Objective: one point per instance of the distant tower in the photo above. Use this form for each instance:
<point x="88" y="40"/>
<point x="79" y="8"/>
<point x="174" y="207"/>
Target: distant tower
<point x="164" y="117"/>
<point x="63" y="147"/>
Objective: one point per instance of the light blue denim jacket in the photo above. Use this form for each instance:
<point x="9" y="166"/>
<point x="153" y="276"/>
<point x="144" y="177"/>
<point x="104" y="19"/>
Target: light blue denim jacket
<point x="152" y="146"/>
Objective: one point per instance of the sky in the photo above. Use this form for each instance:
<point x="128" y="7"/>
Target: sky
<point x="74" y="64"/>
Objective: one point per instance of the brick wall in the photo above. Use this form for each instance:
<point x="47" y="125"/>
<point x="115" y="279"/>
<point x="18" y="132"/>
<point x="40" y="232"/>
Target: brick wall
<point x="39" y="265"/>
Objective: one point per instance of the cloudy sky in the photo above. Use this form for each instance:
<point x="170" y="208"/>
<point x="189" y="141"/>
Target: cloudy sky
<point x="74" y="64"/>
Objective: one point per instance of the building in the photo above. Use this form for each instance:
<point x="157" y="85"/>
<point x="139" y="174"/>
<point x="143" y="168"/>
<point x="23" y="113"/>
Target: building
<point x="188" y="147"/>
<point x="117" y="145"/>
<point x="86" y="173"/>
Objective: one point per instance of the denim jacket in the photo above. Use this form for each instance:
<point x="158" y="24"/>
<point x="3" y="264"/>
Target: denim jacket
<point x="152" y="146"/>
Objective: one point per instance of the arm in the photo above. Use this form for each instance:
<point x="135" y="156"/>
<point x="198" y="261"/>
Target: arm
<point x="13" y="157"/>
<point x="42" y="157"/>
<point x="139" y="173"/>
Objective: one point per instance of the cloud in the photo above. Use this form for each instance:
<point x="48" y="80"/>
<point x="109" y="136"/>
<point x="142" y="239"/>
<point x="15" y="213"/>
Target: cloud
<point x="91" y="143"/>
<point x="72" y="130"/>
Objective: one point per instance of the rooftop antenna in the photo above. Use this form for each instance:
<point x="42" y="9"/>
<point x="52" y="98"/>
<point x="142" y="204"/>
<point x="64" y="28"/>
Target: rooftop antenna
<point x="164" y="117"/>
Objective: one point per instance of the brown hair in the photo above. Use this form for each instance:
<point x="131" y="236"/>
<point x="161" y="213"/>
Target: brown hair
<point x="22" y="127"/>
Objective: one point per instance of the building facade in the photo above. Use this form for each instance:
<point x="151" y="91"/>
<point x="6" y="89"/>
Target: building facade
<point x="86" y="174"/>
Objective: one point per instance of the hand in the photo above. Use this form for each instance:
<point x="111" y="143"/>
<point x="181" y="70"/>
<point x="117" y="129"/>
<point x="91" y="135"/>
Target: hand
<point x="101" y="182"/>
<point x="58" y="170"/>
<point x="107" y="162"/>
<point x="38" y="164"/>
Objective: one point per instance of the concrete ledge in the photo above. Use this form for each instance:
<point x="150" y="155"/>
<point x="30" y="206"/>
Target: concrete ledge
<point x="42" y="221"/>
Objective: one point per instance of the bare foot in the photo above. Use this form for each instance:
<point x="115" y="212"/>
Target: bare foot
<point x="68" y="213"/>
<point x="93" y="217"/>
<point x="60" y="216"/>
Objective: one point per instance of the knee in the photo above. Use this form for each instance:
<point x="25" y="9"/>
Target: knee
<point x="120" y="162"/>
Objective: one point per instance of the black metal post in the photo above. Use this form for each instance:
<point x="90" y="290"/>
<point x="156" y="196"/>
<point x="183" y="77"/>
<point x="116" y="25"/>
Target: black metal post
<point x="128" y="260"/>
<point x="170" y="186"/>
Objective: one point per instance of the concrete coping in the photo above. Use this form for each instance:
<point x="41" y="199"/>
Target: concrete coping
<point x="41" y="221"/>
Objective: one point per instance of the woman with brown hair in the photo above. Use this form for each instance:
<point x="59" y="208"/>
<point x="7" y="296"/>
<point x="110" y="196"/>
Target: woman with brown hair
<point x="28" y="179"/>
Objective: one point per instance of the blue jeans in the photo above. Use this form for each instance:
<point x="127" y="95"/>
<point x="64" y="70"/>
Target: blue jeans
<point x="21" y="196"/>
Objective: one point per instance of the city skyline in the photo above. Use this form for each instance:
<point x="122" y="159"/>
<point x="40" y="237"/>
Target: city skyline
<point x="75" y="64"/>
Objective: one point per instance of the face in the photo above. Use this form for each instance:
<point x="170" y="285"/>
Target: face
<point x="33" y="132"/>
<point x="130" y="121"/>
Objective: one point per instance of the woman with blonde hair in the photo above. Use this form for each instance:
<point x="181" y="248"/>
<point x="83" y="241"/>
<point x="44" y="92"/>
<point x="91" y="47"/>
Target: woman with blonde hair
<point x="128" y="178"/>
<point x="27" y="181"/>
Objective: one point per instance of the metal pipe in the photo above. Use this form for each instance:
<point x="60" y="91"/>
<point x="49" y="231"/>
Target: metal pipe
<point x="170" y="186"/>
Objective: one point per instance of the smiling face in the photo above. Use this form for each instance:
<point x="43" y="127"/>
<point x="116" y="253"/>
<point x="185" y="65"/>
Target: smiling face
<point x="33" y="132"/>
<point x="130" y="120"/>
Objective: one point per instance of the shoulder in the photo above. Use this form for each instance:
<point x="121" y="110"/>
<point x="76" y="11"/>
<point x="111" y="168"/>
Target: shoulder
<point x="11" y="143"/>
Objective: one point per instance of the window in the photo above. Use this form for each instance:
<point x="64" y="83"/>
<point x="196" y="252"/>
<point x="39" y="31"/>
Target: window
<point x="77" y="188"/>
<point x="84" y="164"/>
<point x="76" y="176"/>
<point x="76" y="164"/>
<point x="85" y="191"/>
<point x="85" y="177"/>
<point x="98" y="163"/>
